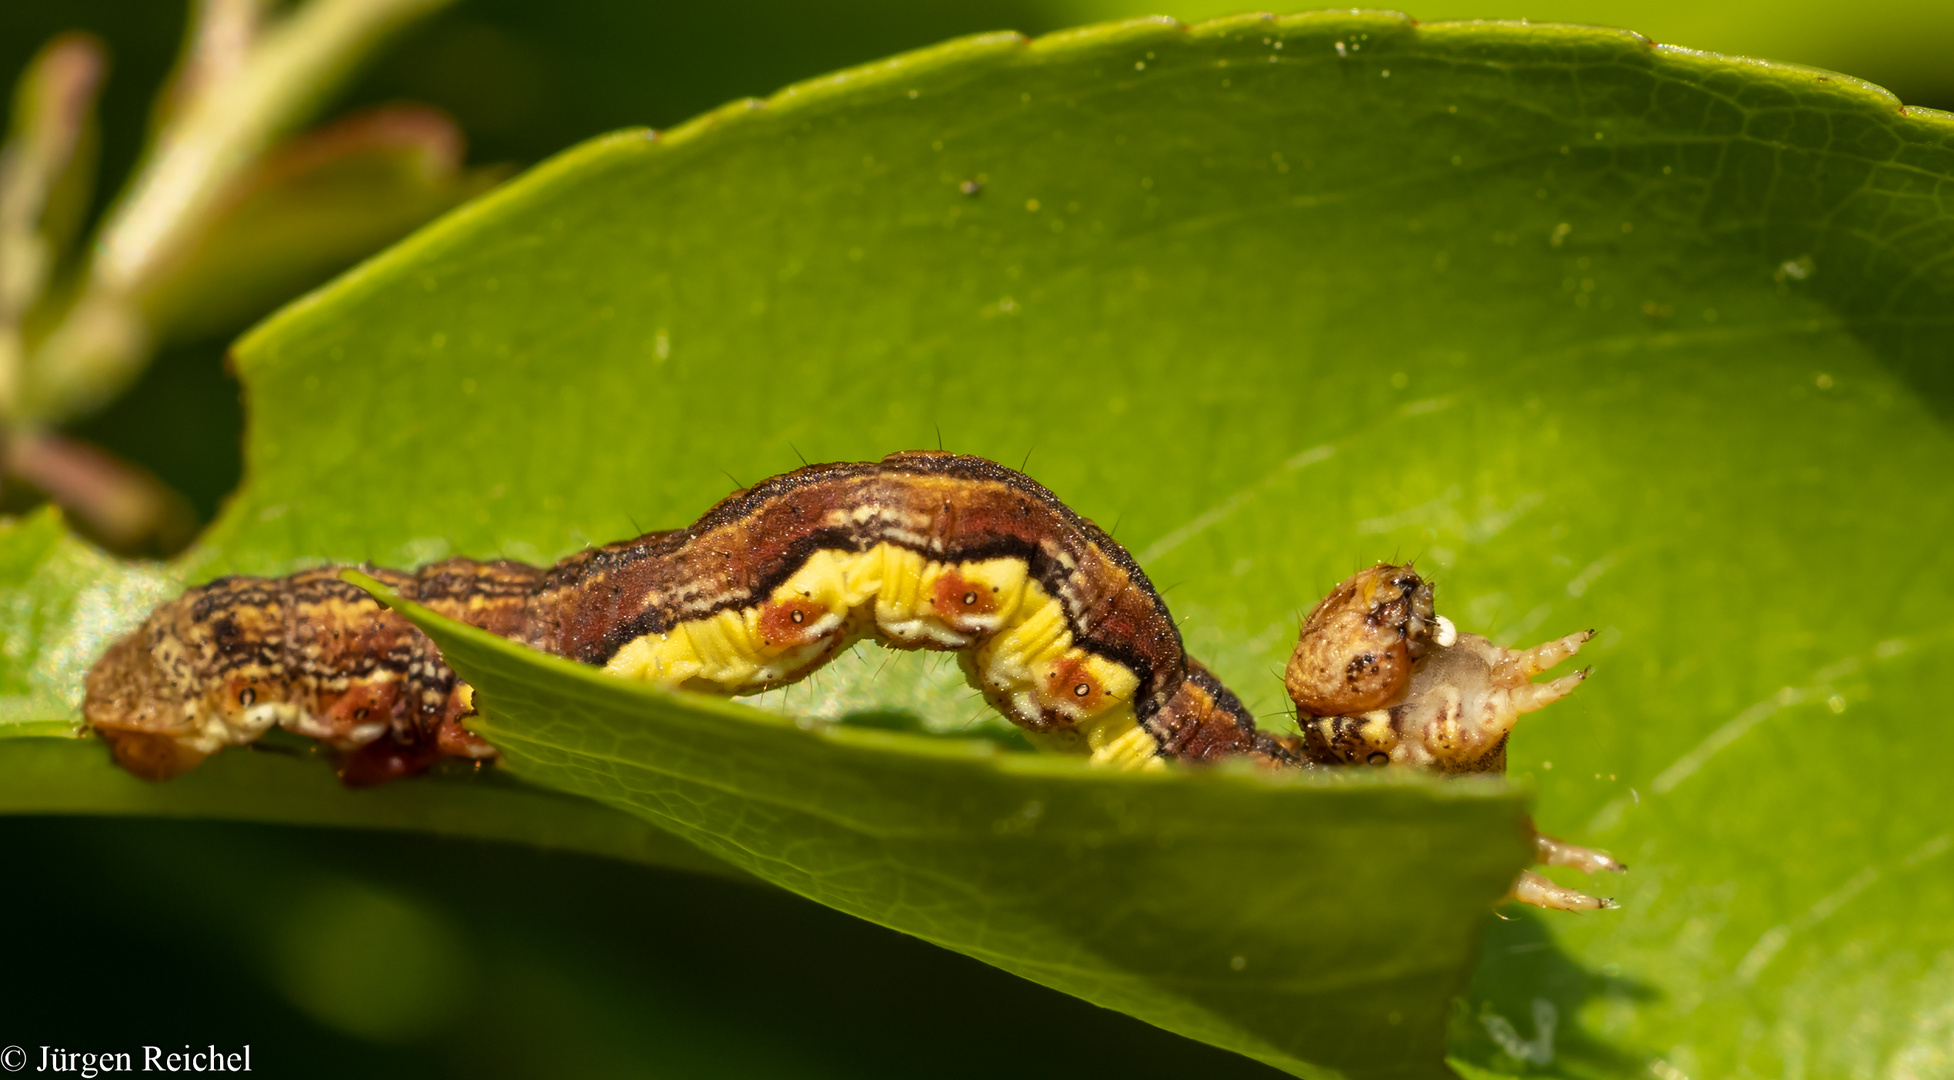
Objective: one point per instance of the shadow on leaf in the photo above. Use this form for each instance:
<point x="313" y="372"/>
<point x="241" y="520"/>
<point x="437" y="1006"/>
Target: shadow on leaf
<point x="1522" y="1014"/>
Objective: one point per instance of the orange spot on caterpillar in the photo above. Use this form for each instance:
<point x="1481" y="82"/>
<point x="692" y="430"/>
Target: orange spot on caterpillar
<point x="790" y="624"/>
<point x="235" y="695"/>
<point x="361" y="702"/>
<point x="1069" y="682"/>
<point x="958" y="600"/>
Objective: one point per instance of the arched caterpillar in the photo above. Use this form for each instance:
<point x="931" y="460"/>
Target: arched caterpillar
<point x="1052" y="620"/>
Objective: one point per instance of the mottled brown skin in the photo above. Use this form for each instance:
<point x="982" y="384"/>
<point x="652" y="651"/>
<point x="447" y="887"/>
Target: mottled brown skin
<point x="1359" y="643"/>
<point x="1205" y="721"/>
<point x="328" y="648"/>
<point x="311" y="641"/>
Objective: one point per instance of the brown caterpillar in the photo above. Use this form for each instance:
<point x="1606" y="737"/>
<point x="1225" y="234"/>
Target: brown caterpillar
<point x="1051" y="619"/>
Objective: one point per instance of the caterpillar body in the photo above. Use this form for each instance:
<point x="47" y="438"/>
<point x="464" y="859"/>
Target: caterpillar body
<point x="1051" y="619"/>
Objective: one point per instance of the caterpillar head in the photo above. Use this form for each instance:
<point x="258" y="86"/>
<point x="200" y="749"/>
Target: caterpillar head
<point x="141" y="713"/>
<point x="1359" y="644"/>
<point x="161" y="702"/>
<point x="1379" y="679"/>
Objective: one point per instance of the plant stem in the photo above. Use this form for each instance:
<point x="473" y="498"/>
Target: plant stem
<point x="228" y="119"/>
<point x="121" y="505"/>
<point x="52" y="108"/>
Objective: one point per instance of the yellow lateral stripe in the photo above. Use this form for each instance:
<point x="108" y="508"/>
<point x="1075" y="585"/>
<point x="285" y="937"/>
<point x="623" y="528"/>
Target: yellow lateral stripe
<point x="1014" y="648"/>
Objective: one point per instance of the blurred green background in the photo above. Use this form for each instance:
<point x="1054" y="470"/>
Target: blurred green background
<point x="335" y="952"/>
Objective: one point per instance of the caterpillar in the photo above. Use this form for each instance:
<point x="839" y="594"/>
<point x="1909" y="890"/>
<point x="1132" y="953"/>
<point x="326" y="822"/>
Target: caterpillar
<point x="1051" y="619"/>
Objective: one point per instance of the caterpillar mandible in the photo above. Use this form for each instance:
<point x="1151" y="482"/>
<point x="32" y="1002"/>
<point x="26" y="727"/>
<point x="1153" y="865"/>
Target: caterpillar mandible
<point x="1051" y="619"/>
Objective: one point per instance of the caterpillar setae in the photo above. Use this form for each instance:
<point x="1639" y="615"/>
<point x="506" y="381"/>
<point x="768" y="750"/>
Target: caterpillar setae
<point x="1051" y="619"/>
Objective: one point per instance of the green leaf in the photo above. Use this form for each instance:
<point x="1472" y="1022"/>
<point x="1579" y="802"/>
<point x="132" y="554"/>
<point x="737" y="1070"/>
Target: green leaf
<point x="1124" y="889"/>
<point x="69" y="776"/>
<point x="1899" y="44"/>
<point x="61" y="603"/>
<point x="1606" y="334"/>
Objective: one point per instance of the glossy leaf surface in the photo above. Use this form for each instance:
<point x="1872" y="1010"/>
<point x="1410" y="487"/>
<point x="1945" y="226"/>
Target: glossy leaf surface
<point x="1605" y="334"/>
<point x="1298" y="920"/>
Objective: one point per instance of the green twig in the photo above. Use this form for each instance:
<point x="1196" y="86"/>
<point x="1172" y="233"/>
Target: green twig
<point x="43" y="160"/>
<point x="240" y="90"/>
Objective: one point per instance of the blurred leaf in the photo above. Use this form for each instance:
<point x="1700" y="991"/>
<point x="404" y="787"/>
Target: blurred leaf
<point x="47" y="166"/>
<point x="1899" y="44"/>
<point x="573" y="969"/>
<point x="372" y="963"/>
<point x="311" y="208"/>
<point x="525" y="80"/>
<point x="117" y="503"/>
<point x="1608" y="335"/>
<point x="183" y="420"/>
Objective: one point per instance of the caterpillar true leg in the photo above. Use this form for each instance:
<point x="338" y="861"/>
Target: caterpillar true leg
<point x="1520" y="666"/>
<point x="1553" y="852"/>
